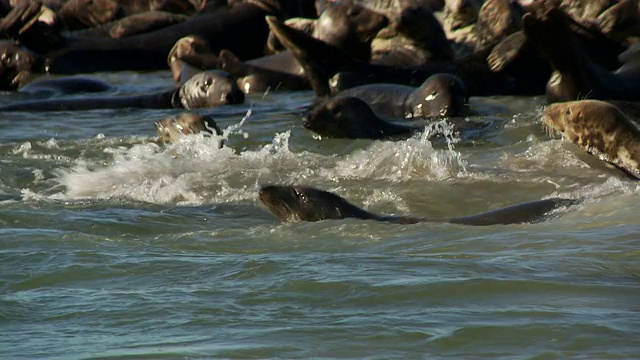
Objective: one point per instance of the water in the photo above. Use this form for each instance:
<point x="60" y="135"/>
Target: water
<point x="112" y="247"/>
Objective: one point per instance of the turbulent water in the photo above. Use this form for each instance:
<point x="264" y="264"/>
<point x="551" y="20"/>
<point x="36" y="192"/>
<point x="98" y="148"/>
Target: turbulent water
<point x="114" y="247"/>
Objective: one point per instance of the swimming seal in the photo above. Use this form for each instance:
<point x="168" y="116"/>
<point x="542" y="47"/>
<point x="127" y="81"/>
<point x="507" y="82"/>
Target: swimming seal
<point x="174" y="127"/>
<point x="65" y="86"/>
<point x="600" y="128"/>
<point x="298" y="203"/>
<point x="205" y="89"/>
<point x="351" y="118"/>
<point x="440" y="95"/>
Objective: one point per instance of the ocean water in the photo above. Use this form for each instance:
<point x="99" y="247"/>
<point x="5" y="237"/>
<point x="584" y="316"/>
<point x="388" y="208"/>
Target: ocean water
<point x="113" y="247"/>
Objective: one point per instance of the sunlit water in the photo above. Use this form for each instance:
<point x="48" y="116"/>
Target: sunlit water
<point x="114" y="247"/>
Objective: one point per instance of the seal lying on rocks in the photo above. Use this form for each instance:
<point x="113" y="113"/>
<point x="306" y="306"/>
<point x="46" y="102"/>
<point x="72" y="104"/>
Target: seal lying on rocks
<point x="575" y="74"/>
<point x="600" y="128"/>
<point x="205" y="89"/>
<point x="299" y="203"/>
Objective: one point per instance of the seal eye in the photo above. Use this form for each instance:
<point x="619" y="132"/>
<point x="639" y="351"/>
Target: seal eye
<point x="568" y="112"/>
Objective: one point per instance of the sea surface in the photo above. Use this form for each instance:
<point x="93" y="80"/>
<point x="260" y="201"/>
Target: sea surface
<point x="113" y="247"/>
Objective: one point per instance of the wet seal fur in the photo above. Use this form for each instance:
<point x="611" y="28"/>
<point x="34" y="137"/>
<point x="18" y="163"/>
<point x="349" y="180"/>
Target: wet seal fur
<point x="351" y="118"/>
<point x="205" y="89"/>
<point x="174" y="127"/>
<point x="298" y="203"/>
<point x="601" y="129"/>
<point x="440" y="95"/>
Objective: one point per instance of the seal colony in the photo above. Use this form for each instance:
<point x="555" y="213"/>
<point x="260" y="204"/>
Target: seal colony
<point x="374" y="66"/>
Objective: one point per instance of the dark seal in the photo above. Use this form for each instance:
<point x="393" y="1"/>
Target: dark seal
<point x="298" y="203"/>
<point x="205" y="89"/>
<point x="351" y="118"/>
<point x="440" y="95"/>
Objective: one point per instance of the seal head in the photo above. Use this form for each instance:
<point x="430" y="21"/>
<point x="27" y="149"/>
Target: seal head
<point x="299" y="203"/>
<point x="600" y="128"/>
<point x="208" y="89"/>
<point x="16" y="66"/>
<point x="440" y="95"/>
<point x="351" y="118"/>
<point x="172" y="128"/>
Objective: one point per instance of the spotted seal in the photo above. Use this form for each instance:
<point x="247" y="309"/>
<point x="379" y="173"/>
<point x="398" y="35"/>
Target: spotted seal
<point x="600" y="128"/>
<point x="174" y="127"/>
<point x="205" y="89"/>
<point x="299" y="203"/>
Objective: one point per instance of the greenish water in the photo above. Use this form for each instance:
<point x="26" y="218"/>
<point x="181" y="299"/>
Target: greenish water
<point x="112" y="247"/>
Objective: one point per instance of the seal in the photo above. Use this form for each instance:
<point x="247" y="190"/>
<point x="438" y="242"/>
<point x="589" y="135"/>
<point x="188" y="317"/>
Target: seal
<point x="323" y="63"/>
<point x="205" y="89"/>
<point x="440" y="95"/>
<point x="65" y="86"/>
<point x="17" y="66"/>
<point x="351" y="28"/>
<point x="420" y="39"/>
<point x="299" y="203"/>
<point x="600" y="128"/>
<point x="351" y="118"/>
<point x="174" y="127"/>
<point x="575" y="74"/>
<point x="241" y="29"/>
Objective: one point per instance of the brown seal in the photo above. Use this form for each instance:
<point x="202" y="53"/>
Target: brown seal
<point x="600" y="128"/>
<point x="174" y="127"/>
<point x="205" y="89"/>
<point x="17" y="65"/>
<point x="299" y="203"/>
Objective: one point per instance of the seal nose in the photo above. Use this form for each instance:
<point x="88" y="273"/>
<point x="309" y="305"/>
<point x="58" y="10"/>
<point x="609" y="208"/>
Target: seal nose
<point x="235" y="97"/>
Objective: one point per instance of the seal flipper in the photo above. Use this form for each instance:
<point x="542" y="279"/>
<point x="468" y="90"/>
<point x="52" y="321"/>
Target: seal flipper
<point x="319" y="60"/>
<point x="528" y="212"/>
<point x="506" y="51"/>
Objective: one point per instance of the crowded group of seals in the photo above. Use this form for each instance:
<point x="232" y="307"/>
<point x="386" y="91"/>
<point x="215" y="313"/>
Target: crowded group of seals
<point x="374" y="68"/>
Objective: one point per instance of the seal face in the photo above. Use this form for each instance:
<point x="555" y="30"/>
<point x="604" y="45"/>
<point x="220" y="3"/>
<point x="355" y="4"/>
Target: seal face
<point x="299" y="203"/>
<point x="210" y="88"/>
<point x="16" y="66"/>
<point x="172" y="128"/>
<point x="600" y="128"/>
<point x="352" y="118"/>
<point x="440" y="95"/>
